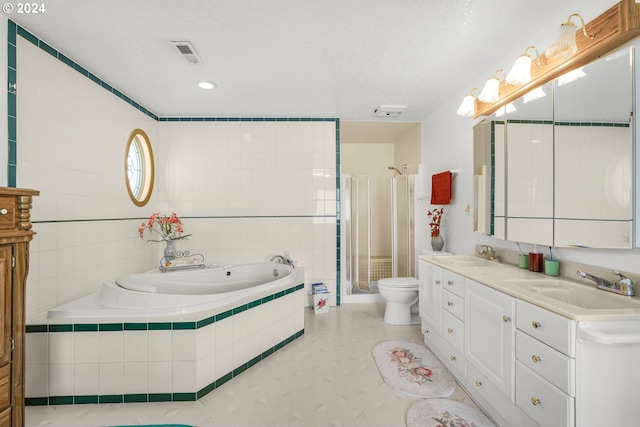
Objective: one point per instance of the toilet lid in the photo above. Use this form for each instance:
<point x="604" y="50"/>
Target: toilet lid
<point x="399" y="282"/>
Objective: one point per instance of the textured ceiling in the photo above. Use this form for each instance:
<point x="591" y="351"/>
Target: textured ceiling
<point x="295" y="58"/>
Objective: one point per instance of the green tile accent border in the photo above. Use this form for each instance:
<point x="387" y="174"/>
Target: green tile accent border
<point x="578" y="124"/>
<point x="159" y="397"/>
<point x="159" y="326"/>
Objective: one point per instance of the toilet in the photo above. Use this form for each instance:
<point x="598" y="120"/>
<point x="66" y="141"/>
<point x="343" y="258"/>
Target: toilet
<point x="401" y="296"/>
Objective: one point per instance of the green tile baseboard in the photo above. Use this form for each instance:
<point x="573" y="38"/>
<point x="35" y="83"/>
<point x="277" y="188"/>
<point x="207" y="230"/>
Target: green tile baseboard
<point x="159" y="397"/>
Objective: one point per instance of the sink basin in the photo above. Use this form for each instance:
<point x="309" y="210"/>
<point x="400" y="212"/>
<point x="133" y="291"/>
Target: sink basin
<point x="576" y="294"/>
<point x="463" y="260"/>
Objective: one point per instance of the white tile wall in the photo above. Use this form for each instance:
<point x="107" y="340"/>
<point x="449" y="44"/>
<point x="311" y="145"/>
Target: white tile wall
<point x="260" y="188"/>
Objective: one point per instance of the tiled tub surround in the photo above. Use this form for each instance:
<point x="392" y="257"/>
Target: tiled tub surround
<point x="158" y="359"/>
<point x="246" y="188"/>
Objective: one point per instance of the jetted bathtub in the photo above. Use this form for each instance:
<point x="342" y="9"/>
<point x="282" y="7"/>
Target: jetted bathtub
<point x="158" y="294"/>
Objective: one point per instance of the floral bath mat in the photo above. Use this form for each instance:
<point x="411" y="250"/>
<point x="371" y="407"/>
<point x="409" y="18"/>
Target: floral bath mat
<point x="445" y="413"/>
<point x="412" y="369"/>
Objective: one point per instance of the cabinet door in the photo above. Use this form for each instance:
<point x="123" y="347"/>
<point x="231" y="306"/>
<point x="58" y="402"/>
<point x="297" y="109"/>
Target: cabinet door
<point x="5" y="336"/>
<point x="5" y="304"/>
<point x="431" y="295"/>
<point x="490" y="335"/>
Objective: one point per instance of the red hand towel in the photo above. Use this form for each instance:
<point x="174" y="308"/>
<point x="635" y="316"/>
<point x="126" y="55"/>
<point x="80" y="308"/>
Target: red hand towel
<point x="441" y="188"/>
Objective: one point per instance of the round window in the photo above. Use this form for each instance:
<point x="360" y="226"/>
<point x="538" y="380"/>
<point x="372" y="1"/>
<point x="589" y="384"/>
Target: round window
<point x="139" y="167"/>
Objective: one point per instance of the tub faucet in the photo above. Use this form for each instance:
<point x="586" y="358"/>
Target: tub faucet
<point x="622" y="286"/>
<point x="488" y="253"/>
<point x="283" y="259"/>
<point x="279" y="259"/>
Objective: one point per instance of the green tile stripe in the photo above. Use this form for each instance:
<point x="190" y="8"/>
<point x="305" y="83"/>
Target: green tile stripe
<point x="159" y="326"/>
<point x="12" y="125"/>
<point x="577" y="124"/>
<point x="247" y="119"/>
<point x="159" y="397"/>
<point x="594" y="124"/>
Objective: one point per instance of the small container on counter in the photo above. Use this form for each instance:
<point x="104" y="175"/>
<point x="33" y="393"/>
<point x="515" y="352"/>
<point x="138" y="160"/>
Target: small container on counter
<point x="551" y="267"/>
<point x="536" y="262"/>
<point x="523" y="261"/>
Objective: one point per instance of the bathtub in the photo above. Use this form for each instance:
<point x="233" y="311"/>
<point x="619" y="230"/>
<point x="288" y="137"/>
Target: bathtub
<point x="159" y="295"/>
<point x="156" y="336"/>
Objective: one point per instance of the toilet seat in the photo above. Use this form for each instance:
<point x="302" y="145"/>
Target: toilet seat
<point x="399" y="282"/>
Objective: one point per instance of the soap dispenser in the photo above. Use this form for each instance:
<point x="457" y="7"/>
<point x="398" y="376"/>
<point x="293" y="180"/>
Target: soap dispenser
<point x="536" y="260"/>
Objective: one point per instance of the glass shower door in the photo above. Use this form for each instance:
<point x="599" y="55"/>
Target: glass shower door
<point x="403" y="217"/>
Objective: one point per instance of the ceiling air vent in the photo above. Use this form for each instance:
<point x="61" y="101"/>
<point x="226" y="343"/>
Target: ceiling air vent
<point x="389" y="110"/>
<point x="188" y="52"/>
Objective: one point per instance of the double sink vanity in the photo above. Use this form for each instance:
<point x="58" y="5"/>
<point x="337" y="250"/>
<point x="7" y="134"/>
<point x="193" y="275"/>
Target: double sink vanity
<point x="532" y="350"/>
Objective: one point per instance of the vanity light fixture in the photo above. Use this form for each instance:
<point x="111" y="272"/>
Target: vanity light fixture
<point x="490" y="90"/>
<point x="207" y="85"/>
<point x="533" y="95"/>
<point x="468" y="106"/>
<point x="571" y="76"/>
<point x="520" y="74"/>
<point x="564" y="46"/>
<point x="509" y="108"/>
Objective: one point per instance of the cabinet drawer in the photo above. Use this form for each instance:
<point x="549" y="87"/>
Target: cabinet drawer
<point x="455" y="361"/>
<point x="550" y="364"/>
<point x="453" y="283"/>
<point x="550" y="328"/>
<point x="5" y="386"/>
<point x="453" y="304"/>
<point x="453" y="331"/>
<point x="543" y="402"/>
<point x="7" y="213"/>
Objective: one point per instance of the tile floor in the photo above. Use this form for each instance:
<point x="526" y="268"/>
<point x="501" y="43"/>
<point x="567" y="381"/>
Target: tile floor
<point x="325" y="378"/>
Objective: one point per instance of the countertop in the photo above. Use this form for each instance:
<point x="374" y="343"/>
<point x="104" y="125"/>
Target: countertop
<point x="504" y="277"/>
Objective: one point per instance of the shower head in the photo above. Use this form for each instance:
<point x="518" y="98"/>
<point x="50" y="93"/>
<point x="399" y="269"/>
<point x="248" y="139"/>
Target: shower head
<point x="395" y="169"/>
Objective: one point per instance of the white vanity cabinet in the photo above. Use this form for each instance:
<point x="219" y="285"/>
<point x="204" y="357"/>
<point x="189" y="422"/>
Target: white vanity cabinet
<point x="545" y="365"/>
<point x="430" y="297"/>
<point x="490" y="336"/>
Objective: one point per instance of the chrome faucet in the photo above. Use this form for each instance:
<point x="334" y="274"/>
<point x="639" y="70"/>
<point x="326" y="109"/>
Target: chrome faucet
<point x="283" y="259"/>
<point x="279" y="259"/>
<point x="488" y="253"/>
<point x="622" y="286"/>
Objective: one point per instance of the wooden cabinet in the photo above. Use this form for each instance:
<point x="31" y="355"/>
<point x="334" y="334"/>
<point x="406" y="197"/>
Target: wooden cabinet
<point x="15" y="235"/>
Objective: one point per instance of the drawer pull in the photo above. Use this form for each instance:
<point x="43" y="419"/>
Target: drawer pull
<point x="536" y="325"/>
<point x="535" y="401"/>
<point x="450" y="330"/>
<point x="426" y="331"/>
<point x="478" y="383"/>
<point x="449" y="303"/>
<point x="450" y="282"/>
<point x="536" y="359"/>
<point x="453" y="358"/>
<point x="3" y="211"/>
<point x="505" y="319"/>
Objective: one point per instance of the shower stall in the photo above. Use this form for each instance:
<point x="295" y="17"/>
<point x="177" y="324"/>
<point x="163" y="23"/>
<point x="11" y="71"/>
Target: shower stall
<point x="360" y="268"/>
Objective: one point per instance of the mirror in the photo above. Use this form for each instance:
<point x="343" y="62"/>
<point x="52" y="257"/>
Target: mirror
<point x="560" y="172"/>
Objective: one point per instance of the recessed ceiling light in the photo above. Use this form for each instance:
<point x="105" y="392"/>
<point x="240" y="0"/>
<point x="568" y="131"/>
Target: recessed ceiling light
<point x="207" y="85"/>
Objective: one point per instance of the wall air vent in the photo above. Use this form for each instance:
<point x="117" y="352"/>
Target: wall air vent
<point x="187" y="51"/>
<point x="389" y="110"/>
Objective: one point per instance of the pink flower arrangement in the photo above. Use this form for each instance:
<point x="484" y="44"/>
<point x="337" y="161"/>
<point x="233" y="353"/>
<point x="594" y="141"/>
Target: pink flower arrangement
<point x="168" y="227"/>
<point x="435" y="217"/>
